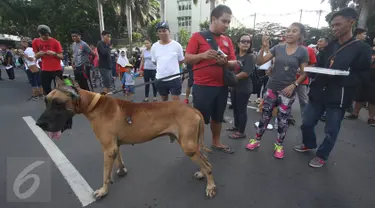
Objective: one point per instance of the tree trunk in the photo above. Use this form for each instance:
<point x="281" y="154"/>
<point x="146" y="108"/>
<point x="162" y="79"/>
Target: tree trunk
<point x="212" y="5"/>
<point x="366" y="5"/>
<point x="129" y="26"/>
<point x="162" y="10"/>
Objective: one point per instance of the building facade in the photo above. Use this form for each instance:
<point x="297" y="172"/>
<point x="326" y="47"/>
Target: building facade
<point x="183" y="14"/>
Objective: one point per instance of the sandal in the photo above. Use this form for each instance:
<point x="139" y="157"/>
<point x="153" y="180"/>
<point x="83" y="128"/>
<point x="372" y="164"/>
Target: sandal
<point x="232" y="129"/>
<point x="224" y="149"/>
<point x="237" y="135"/>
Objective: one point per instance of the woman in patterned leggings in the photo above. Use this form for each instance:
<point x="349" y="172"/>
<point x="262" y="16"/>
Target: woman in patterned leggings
<point x="290" y="59"/>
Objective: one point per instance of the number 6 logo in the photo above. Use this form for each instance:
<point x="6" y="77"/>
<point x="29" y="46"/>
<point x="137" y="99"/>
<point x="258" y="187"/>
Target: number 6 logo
<point x="23" y="177"/>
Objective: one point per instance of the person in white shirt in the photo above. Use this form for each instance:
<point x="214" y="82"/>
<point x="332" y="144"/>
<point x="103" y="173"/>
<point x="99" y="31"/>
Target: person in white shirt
<point x="31" y="68"/>
<point x="167" y="54"/>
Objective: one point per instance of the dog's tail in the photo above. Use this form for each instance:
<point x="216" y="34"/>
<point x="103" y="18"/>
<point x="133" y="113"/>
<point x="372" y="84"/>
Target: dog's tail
<point x="201" y="134"/>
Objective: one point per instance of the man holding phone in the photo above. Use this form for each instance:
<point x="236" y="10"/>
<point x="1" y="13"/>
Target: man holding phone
<point x="50" y="52"/>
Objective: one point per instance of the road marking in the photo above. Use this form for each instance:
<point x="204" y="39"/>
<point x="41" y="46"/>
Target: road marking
<point x="78" y="184"/>
<point x="229" y="103"/>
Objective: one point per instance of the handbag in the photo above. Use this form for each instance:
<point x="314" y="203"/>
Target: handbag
<point x="230" y="79"/>
<point x="32" y="68"/>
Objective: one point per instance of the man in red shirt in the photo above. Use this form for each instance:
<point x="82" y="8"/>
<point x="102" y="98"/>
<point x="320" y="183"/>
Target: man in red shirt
<point x="209" y="92"/>
<point x="50" y="51"/>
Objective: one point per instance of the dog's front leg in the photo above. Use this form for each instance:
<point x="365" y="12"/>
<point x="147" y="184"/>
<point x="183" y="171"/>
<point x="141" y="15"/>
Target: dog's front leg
<point x="121" y="170"/>
<point x="110" y="155"/>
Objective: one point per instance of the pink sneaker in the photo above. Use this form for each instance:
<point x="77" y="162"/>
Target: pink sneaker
<point x="278" y="151"/>
<point x="253" y="144"/>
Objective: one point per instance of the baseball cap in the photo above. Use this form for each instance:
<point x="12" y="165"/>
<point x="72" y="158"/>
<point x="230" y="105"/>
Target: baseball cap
<point x="44" y="29"/>
<point x="162" y="25"/>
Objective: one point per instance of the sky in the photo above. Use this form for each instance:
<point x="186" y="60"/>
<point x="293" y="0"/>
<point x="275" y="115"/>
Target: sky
<point x="284" y="12"/>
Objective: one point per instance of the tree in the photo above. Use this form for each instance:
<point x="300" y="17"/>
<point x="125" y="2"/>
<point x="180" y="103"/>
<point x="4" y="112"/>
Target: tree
<point x="183" y="37"/>
<point x="151" y="31"/>
<point x="204" y="25"/>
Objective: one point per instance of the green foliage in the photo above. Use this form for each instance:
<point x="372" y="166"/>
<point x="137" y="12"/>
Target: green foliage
<point x="137" y="37"/>
<point x="204" y="25"/>
<point x="151" y="31"/>
<point x="183" y="37"/>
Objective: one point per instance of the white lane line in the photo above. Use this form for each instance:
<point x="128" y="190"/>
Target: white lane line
<point x="229" y="103"/>
<point x="78" y="184"/>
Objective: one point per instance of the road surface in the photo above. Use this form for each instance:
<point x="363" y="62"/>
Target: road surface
<point x="160" y="176"/>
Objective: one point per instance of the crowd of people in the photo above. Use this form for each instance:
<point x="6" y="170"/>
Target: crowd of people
<point x="275" y="74"/>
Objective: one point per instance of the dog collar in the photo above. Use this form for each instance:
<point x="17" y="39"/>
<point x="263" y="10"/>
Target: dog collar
<point x="94" y="101"/>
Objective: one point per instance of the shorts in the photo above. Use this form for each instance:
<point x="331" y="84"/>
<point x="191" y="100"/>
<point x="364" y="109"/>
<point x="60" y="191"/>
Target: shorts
<point x="106" y="75"/>
<point x="366" y="89"/>
<point x="211" y="101"/>
<point x="172" y="86"/>
<point x="129" y="88"/>
<point x="190" y="79"/>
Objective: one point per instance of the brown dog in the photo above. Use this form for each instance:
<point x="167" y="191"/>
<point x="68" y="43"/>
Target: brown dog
<point x="116" y="122"/>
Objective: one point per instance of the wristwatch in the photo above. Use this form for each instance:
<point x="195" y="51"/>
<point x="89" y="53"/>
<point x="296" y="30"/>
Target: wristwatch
<point x="296" y="84"/>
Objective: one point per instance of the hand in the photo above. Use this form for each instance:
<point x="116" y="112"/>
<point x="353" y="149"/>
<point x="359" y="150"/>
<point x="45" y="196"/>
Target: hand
<point x="221" y="60"/>
<point x="288" y="91"/>
<point x="210" y="54"/>
<point x="269" y="71"/>
<point x="49" y="52"/>
<point x="140" y="73"/>
<point x="265" y="42"/>
<point x="40" y="53"/>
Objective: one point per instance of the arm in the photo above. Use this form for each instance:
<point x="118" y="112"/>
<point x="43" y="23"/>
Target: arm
<point x="248" y="67"/>
<point x="103" y="49"/>
<point x="304" y="61"/>
<point x="232" y="60"/>
<point x="142" y="60"/>
<point x="262" y="59"/>
<point x="58" y="53"/>
<point x="180" y="53"/>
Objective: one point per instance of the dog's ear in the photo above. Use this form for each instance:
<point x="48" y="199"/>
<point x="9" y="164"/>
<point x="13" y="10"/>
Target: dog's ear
<point x="59" y="82"/>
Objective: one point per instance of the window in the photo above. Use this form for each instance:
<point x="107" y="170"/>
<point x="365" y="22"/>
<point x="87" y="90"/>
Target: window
<point x="184" y="21"/>
<point x="184" y="5"/>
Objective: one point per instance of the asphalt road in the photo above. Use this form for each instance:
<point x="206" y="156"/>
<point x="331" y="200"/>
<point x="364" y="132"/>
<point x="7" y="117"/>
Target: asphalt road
<point x="160" y="176"/>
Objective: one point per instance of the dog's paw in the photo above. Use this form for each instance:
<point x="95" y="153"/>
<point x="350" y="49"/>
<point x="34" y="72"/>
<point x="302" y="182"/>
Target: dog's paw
<point x="199" y="175"/>
<point x="100" y="193"/>
<point x="211" y="192"/>
<point x="122" y="172"/>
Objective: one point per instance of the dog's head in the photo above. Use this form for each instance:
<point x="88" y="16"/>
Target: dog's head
<point x="60" y="107"/>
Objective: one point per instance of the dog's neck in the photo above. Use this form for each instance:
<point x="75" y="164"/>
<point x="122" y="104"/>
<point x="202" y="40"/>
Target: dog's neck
<point x="87" y="101"/>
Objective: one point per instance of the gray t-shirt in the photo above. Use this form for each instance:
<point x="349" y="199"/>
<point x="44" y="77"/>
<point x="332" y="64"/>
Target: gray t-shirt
<point x="286" y="66"/>
<point x="81" y="52"/>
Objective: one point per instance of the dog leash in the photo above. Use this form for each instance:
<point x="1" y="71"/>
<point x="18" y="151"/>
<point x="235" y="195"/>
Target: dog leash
<point x="164" y="78"/>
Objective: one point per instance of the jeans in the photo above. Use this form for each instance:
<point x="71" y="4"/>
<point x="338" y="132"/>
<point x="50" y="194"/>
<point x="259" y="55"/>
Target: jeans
<point x="82" y="76"/>
<point x="302" y="93"/>
<point x="149" y="75"/>
<point x="239" y="102"/>
<point x="312" y="114"/>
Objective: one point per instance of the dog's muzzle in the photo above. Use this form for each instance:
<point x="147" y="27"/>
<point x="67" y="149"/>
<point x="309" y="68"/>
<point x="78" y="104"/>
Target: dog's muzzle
<point x="55" y="122"/>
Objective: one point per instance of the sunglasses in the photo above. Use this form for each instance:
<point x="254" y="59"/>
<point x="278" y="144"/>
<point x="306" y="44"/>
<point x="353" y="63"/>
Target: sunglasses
<point x="245" y="41"/>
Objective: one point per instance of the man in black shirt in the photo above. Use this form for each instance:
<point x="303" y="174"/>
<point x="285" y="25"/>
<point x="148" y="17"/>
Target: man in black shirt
<point x="8" y="62"/>
<point x="334" y="94"/>
<point x="104" y="51"/>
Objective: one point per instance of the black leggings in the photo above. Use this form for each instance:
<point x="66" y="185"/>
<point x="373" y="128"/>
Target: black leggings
<point x="149" y="75"/>
<point x="10" y="73"/>
<point x="239" y="103"/>
<point x="82" y="76"/>
<point x="46" y="78"/>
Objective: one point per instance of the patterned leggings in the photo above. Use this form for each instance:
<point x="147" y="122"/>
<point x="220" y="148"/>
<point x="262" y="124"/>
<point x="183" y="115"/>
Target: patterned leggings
<point x="284" y="106"/>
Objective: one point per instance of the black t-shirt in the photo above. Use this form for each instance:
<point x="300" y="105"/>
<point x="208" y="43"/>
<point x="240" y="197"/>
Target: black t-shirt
<point x="8" y="55"/>
<point x="248" y="62"/>
<point x="104" y="52"/>
<point x="373" y="58"/>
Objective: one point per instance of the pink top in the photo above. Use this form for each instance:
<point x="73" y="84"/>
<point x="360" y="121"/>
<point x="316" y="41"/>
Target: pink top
<point x="96" y="59"/>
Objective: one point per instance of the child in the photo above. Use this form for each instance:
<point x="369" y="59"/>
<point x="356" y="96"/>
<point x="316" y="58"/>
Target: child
<point x="128" y="82"/>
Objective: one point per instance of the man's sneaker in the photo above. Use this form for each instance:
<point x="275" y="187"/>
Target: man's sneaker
<point x="317" y="162"/>
<point x="278" y="151"/>
<point x="253" y="144"/>
<point x="371" y="122"/>
<point x="34" y="97"/>
<point x="301" y="148"/>
<point x="351" y="117"/>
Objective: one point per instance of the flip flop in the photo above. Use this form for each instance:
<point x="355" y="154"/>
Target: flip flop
<point x="237" y="135"/>
<point x="231" y="129"/>
<point x="224" y="149"/>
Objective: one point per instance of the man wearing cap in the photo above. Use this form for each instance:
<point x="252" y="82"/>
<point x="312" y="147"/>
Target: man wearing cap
<point x="334" y="94"/>
<point x="50" y="52"/>
<point x="81" y="61"/>
<point x="167" y="54"/>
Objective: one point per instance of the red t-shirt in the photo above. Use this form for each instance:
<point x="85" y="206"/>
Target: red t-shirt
<point x="212" y="75"/>
<point x="49" y="62"/>
<point x="312" y="60"/>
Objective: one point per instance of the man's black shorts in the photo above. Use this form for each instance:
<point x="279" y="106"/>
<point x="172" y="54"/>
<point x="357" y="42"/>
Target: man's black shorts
<point x="172" y="86"/>
<point x="211" y="101"/>
<point x="366" y="90"/>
